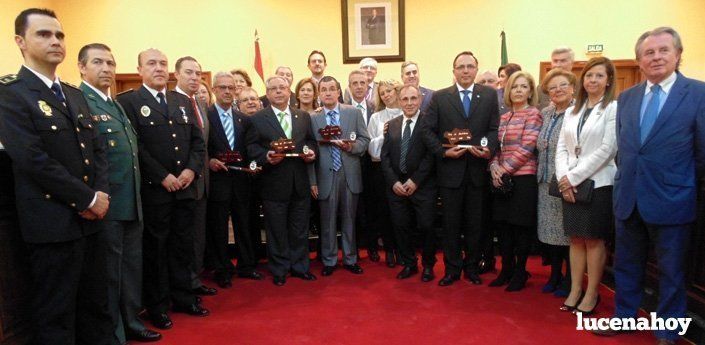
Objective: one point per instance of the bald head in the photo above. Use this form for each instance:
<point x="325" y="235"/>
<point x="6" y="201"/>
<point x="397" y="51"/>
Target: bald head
<point x="153" y="67"/>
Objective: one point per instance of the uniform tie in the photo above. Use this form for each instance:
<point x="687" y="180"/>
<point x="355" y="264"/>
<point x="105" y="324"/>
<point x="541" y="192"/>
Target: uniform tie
<point x="57" y="91"/>
<point x="162" y="102"/>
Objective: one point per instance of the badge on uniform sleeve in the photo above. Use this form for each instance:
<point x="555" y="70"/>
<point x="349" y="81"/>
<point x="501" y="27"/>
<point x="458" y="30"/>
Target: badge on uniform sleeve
<point x="145" y="111"/>
<point x="104" y="118"/>
<point x="45" y="108"/>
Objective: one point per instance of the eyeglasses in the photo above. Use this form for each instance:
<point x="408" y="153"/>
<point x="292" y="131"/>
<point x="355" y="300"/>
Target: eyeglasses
<point x="225" y="87"/>
<point x="487" y="81"/>
<point x="462" y="67"/>
<point x="251" y="99"/>
<point x="275" y="88"/>
<point x="561" y="86"/>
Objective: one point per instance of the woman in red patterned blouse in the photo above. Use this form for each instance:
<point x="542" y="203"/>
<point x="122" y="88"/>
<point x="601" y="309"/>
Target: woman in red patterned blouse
<point x="513" y="172"/>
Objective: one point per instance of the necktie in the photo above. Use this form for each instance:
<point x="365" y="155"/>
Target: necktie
<point x="651" y="112"/>
<point x="162" y="102"/>
<point x="285" y="124"/>
<point x="228" y="128"/>
<point x="57" y="91"/>
<point x="196" y="112"/>
<point x="368" y="96"/>
<point x="466" y="102"/>
<point x="335" y="150"/>
<point x="405" y="139"/>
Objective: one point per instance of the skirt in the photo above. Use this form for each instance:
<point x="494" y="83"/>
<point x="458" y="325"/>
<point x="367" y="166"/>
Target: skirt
<point x="550" y="218"/>
<point x="591" y="220"/>
<point x="518" y="208"/>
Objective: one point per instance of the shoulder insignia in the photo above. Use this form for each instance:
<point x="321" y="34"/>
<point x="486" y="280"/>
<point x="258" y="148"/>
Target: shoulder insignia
<point x="124" y="92"/>
<point x="9" y="79"/>
<point x="71" y="85"/>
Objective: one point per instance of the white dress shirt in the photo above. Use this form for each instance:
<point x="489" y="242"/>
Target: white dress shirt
<point x="376" y="130"/>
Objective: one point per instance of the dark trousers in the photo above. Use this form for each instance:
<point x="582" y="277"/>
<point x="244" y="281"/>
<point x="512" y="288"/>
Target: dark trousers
<point x="404" y="210"/>
<point x="462" y="215"/>
<point x="168" y="255"/>
<point x="124" y="272"/>
<point x="70" y="293"/>
<point x="514" y="243"/>
<point x="199" y="240"/>
<point x="631" y="250"/>
<point x="373" y="214"/>
<point x="286" y="223"/>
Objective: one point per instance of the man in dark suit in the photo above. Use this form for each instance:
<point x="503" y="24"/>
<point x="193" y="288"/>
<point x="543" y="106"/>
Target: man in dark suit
<point x="285" y="190"/>
<point x="660" y="136"/>
<point x="171" y="152"/>
<point x="123" y="222"/>
<point x="231" y="189"/>
<point x="61" y="185"/>
<point x="187" y="72"/>
<point x="410" y="75"/>
<point x="411" y="187"/>
<point x="462" y="172"/>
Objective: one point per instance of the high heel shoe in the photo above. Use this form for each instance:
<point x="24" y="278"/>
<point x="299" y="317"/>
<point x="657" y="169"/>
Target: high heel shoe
<point x="571" y="308"/>
<point x="587" y="312"/>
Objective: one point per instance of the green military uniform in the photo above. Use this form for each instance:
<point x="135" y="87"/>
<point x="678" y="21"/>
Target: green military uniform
<point x="124" y="218"/>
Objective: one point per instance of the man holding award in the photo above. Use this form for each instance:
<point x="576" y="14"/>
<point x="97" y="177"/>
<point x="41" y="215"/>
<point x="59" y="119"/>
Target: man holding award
<point x="337" y="180"/>
<point x="462" y="165"/>
<point x="280" y="140"/>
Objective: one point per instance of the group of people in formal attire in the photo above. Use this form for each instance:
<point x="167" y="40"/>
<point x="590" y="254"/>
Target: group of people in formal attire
<point x="125" y="200"/>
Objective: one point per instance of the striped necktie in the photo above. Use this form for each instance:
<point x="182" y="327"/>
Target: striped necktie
<point x="227" y="121"/>
<point x="335" y="150"/>
<point x="285" y="124"/>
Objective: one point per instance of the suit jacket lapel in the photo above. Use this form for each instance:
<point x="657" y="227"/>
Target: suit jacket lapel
<point x="678" y="91"/>
<point x="455" y="101"/>
<point x="36" y="84"/>
<point x="634" y="118"/>
<point x="93" y="97"/>
<point x="475" y="100"/>
<point x="274" y="122"/>
<point x="217" y="126"/>
<point x="147" y="96"/>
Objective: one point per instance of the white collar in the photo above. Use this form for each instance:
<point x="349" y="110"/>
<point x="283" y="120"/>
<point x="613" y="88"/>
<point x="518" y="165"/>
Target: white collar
<point x="413" y="118"/>
<point x="155" y="92"/>
<point x="100" y="93"/>
<point x="277" y="111"/>
<point x="178" y="89"/>
<point x="461" y="89"/>
<point x="48" y="82"/>
<point x="666" y="84"/>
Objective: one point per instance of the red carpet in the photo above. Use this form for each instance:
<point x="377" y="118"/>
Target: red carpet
<point x="376" y="308"/>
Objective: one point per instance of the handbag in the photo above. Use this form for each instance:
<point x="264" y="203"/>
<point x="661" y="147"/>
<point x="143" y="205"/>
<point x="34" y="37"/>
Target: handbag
<point x="584" y="194"/>
<point x="506" y="187"/>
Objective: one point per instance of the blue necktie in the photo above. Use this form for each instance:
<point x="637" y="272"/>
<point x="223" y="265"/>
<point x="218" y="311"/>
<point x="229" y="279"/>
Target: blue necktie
<point x="466" y="102"/>
<point x="228" y="128"/>
<point x="651" y="112"/>
<point x="335" y="150"/>
<point x="57" y="91"/>
<point x="162" y="102"/>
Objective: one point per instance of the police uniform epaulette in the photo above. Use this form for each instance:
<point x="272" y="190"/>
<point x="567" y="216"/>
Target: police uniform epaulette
<point x="9" y="79"/>
<point x="124" y="92"/>
<point x="71" y="85"/>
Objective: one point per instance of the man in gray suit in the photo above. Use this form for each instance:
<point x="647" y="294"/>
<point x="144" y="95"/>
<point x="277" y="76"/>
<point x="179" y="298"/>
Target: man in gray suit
<point x="368" y="66"/>
<point x="337" y="181"/>
<point x="188" y="78"/>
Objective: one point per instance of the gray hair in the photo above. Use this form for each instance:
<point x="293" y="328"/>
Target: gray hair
<point x="269" y="80"/>
<point x="282" y="67"/>
<point x="562" y="50"/>
<point x="356" y="71"/>
<point x="222" y="74"/>
<point x="368" y="61"/>
<point x="677" y="43"/>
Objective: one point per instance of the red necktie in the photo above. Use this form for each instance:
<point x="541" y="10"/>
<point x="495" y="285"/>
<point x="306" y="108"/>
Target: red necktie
<point x="196" y="112"/>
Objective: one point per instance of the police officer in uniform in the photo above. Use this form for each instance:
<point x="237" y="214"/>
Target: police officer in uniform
<point x="61" y="185"/>
<point x="171" y="151"/>
<point x="123" y="222"/>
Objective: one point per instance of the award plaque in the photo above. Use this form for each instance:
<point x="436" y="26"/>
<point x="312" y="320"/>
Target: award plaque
<point x="456" y="137"/>
<point x="251" y="169"/>
<point x="229" y="157"/>
<point x="284" y="147"/>
<point x="331" y="133"/>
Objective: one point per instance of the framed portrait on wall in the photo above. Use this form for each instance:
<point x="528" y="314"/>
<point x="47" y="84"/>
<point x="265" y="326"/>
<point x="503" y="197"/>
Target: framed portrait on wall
<point x="373" y="28"/>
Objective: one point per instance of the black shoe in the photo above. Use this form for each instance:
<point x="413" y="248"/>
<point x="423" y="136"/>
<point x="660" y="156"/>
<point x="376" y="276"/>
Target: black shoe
<point x="254" y="275"/>
<point x="503" y="278"/>
<point x="588" y="312"/>
<point x="223" y="282"/>
<point x="279" y="280"/>
<point x="204" y="291"/>
<point x="390" y="259"/>
<point x="427" y="274"/>
<point x="161" y="320"/>
<point x="193" y="310"/>
<point x="373" y="255"/>
<point x="304" y="276"/>
<point x="448" y="279"/>
<point x="407" y="272"/>
<point x="518" y="281"/>
<point x="486" y="265"/>
<point x="571" y="308"/>
<point x="327" y="270"/>
<point x="473" y="277"/>
<point x="145" y="335"/>
<point x="354" y="268"/>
